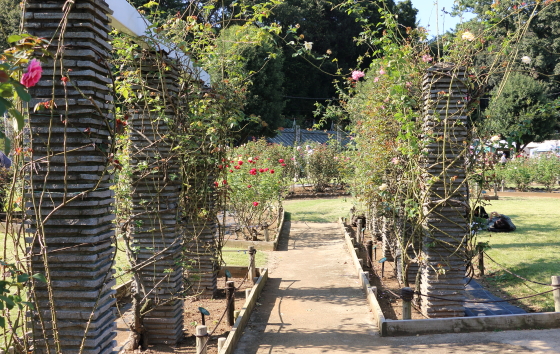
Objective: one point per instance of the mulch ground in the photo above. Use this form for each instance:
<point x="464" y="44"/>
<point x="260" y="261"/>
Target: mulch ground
<point x="216" y="322"/>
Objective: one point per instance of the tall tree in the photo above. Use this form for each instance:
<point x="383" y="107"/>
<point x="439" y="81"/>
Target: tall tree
<point x="10" y="18"/>
<point x="260" y="60"/>
<point x="522" y="111"/>
<point x="332" y="32"/>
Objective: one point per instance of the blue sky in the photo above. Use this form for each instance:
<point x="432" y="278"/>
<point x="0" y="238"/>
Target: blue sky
<point x="427" y="15"/>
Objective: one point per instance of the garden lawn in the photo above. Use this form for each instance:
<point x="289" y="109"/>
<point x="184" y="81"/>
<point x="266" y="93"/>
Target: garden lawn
<point x="532" y="251"/>
<point x="317" y="210"/>
<point x="239" y="258"/>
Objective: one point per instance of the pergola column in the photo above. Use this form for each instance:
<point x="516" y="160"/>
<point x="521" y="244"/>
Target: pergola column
<point x="156" y="185"/>
<point x="445" y="198"/>
<point x="69" y="201"/>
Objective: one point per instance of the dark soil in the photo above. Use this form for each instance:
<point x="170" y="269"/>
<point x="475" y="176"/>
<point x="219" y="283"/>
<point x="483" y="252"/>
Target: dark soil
<point x="388" y="287"/>
<point x="216" y="322"/>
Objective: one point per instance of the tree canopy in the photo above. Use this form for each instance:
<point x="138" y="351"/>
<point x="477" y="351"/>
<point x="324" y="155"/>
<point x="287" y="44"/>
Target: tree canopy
<point x="522" y="111"/>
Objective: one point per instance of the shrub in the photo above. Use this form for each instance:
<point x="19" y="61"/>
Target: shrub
<point x="323" y="165"/>
<point x="520" y="171"/>
<point x="547" y="170"/>
<point x="255" y="185"/>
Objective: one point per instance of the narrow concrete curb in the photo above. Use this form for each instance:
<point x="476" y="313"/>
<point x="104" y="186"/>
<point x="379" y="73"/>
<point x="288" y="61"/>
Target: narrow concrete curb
<point x="390" y="328"/>
<point x="260" y="245"/>
<point x="243" y="319"/>
<point x="363" y="277"/>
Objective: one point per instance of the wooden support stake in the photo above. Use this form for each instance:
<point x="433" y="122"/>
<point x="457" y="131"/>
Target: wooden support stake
<point x="369" y="247"/>
<point x="556" y="292"/>
<point x="230" y="291"/>
<point x="359" y="231"/>
<point x="481" y="258"/>
<point x="266" y="237"/>
<point x="221" y="343"/>
<point x="252" y="268"/>
<point x="201" y="339"/>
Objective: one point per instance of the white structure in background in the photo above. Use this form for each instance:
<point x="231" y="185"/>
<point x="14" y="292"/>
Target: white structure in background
<point x="535" y="149"/>
<point x="127" y="19"/>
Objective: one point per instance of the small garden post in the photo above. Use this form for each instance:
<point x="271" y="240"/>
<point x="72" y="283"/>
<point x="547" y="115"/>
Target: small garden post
<point x="406" y="295"/>
<point x="201" y="339"/>
<point x="480" y="248"/>
<point x="360" y="233"/>
<point x="252" y="269"/>
<point x="230" y="292"/>
<point x="556" y="292"/>
<point x="369" y="247"/>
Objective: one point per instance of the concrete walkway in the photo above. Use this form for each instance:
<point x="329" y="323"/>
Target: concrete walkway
<point x="312" y="303"/>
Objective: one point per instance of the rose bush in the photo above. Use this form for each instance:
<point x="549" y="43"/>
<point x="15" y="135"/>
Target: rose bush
<point x="255" y="185"/>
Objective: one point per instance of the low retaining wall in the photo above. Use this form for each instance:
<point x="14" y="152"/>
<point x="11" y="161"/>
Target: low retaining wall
<point x="241" y="322"/>
<point x="259" y="245"/>
<point x="388" y="328"/>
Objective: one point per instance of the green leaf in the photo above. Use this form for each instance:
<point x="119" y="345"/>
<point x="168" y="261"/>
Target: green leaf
<point x="2" y="322"/>
<point x="3" y="105"/>
<point x="9" y="303"/>
<point x="22" y="92"/>
<point x="22" y="278"/>
<point x="18" y="118"/>
<point x="29" y="304"/>
<point x="14" y="38"/>
<point x="39" y="277"/>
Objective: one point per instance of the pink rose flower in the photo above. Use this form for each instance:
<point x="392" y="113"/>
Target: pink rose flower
<point x="357" y="74"/>
<point x="255" y="203"/>
<point x="281" y="160"/>
<point x="381" y="72"/>
<point x="426" y="58"/>
<point x="33" y="74"/>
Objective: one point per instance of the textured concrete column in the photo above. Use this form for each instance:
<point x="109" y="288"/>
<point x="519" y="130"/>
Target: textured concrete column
<point x="69" y="203"/>
<point x="200" y="239"/>
<point x="156" y="188"/>
<point x="445" y="191"/>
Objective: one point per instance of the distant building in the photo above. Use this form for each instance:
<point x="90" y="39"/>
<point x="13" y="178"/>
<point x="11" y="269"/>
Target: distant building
<point x="298" y="136"/>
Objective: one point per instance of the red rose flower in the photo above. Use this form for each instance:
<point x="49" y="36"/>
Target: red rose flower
<point x="255" y="203"/>
<point x="281" y="160"/>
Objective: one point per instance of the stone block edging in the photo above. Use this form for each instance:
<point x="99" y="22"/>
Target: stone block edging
<point x="260" y="245"/>
<point x="391" y="328"/>
<point x="243" y="319"/>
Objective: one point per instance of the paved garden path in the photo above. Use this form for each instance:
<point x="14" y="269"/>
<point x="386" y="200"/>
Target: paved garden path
<point x="312" y="303"/>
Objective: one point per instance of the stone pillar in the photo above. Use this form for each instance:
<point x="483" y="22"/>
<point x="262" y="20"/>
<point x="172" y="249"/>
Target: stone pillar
<point x="155" y="236"/>
<point x="68" y="203"/>
<point x="445" y="192"/>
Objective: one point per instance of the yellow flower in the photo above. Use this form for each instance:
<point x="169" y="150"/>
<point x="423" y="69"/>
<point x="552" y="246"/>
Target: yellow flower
<point x="468" y="36"/>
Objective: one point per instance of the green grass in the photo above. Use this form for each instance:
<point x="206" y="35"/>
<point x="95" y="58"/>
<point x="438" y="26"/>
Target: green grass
<point x="531" y="251"/>
<point x="317" y="210"/>
<point x="236" y="258"/>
